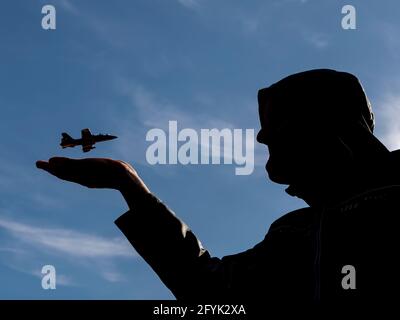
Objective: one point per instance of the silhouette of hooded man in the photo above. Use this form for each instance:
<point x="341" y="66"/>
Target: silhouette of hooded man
<point x="318" y="127"/>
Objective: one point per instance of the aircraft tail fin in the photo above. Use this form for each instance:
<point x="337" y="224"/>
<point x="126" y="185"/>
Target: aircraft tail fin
<point x="66" y="136"/>
<point x="66" y="140"/>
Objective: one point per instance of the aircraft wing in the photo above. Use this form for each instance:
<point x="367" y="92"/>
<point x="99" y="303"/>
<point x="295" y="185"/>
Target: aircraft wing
<point x="86" y="134"/>
<point x="87" y="147"/>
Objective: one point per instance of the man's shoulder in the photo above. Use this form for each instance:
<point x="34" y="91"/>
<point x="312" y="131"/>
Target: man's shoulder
<point x="381" y="197"/>
<point x="297" y="219"/>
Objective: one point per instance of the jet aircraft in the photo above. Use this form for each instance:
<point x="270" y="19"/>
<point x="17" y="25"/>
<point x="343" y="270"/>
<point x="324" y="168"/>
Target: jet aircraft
<point x="87" y="140"/>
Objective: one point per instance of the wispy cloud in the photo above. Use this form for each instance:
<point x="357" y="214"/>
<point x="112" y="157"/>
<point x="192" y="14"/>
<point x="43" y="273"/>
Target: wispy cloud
<point x="148" y="105"/>
<point x="387" y="33"/>
<point x="104" y="29"/>
<point x="68" y="242"/>
<point x="191" y="4"/>
<point x="388" y="112"/>
<point x="250" y="24"/>
<point x="43" y="200"/>
<point x="285" y="2"/>
<point x="94" y="252"/>
<point x="112" y="276"/>
<point x="62" y="279"/>
<point x="318" y="40"/>
<point x="68" y="6"/>
<point x="12" y="250"/>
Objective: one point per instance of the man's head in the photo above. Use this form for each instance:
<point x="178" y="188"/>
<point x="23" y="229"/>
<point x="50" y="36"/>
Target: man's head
<point x="316" y="125"/>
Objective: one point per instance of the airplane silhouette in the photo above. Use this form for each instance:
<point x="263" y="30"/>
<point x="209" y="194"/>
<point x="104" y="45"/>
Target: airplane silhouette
<point x="87" y="140"/>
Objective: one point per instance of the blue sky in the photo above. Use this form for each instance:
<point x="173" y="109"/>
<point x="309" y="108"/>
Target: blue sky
<point x="124" y="67"/>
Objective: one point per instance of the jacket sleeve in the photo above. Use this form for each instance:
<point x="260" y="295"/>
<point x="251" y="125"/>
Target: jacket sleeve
<point x="177" y="256"/>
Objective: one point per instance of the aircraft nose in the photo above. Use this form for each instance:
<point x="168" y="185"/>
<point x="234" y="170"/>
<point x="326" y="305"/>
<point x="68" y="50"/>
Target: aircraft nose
<point x="113" y="137"/>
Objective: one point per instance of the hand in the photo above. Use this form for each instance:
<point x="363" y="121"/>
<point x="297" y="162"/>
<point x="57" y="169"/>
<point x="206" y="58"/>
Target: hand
<point x="98" y="173"/>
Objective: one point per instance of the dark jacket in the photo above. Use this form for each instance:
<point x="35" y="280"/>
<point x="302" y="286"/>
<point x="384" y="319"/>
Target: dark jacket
<point x="301" y="258"/>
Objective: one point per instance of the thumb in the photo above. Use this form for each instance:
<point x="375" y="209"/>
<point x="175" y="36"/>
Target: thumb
<point x="44" y="165"/>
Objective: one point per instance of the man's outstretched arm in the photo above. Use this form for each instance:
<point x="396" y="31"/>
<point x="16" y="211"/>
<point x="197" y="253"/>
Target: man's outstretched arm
<point x="161" y="238"/>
